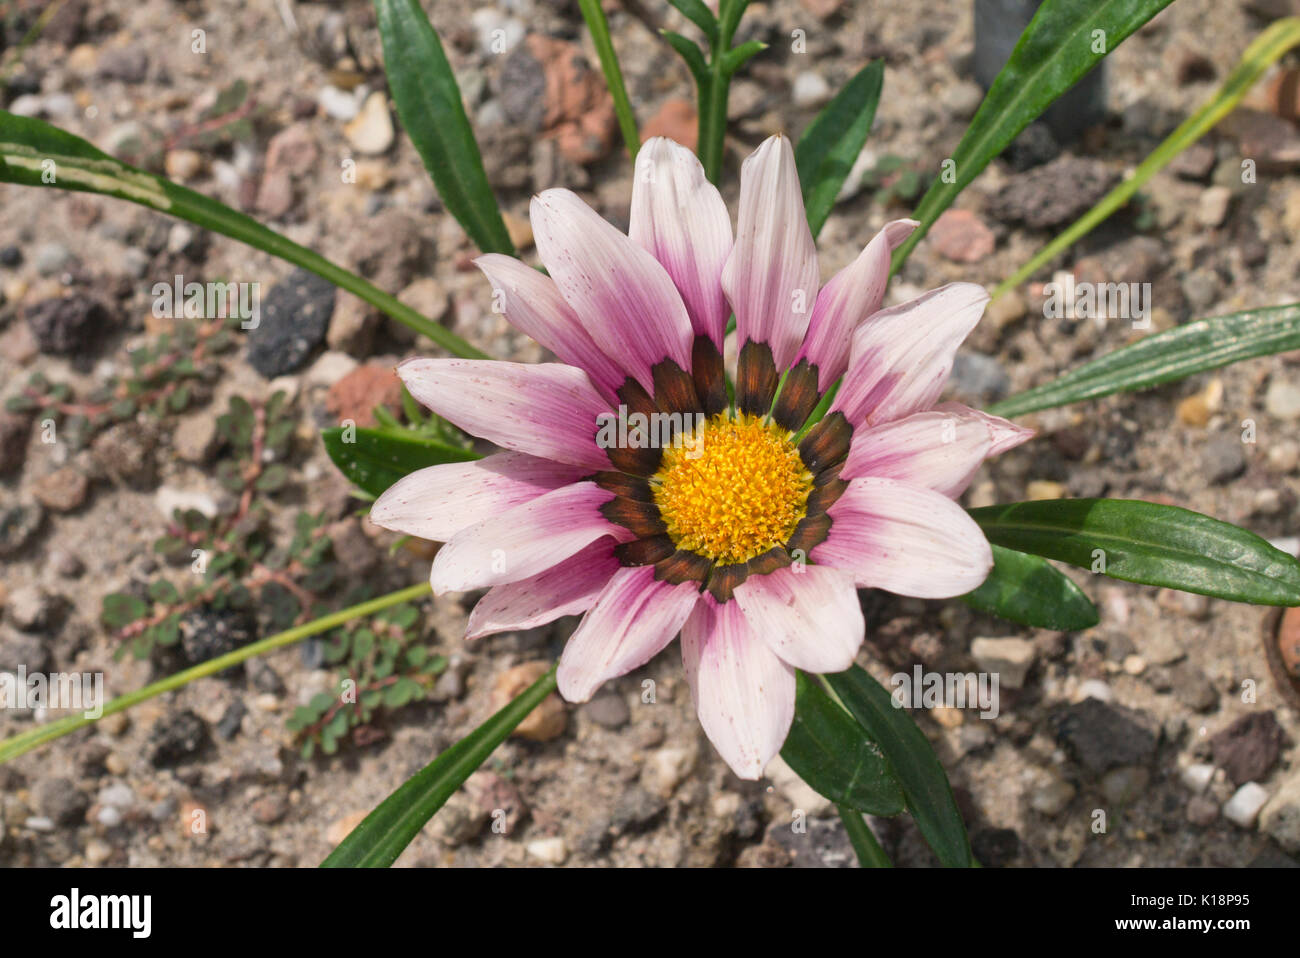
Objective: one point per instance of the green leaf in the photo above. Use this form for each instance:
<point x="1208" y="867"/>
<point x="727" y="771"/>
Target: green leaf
<point x="433" y="115"/>
<point x="120" y="610"/>
<point x="689" y="51"/>
<point x="1059" y="46"/>
<point x="829" y="147"/>
<point x="830" y="751"/>
<point x="865" y="846"/>
<point x="929" y="797"/>
<point x="386" y="831"/>
<point x="163" y="592"/>
<point x="1168" y="356"/>
<point x="374" y="460"/>
<point x="1266" y="49"/>
<point x="1148" y="543"/>
<point x="737" y="57"/>
<point x="594" y="14"/>
<point x="700" y="15"/>
<point x="34" y="153"/>
<point x="1029" y="590"/>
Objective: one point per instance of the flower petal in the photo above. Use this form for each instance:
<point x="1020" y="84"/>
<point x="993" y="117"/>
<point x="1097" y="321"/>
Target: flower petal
<point x="901" y="356"/>
<point x="771" y="275"/>
<point x="566" y="588"/>
<point x="633" y="619"/>
<point x="743" y="692"/>
<point x="905" y="539"/>
<point x="679" y="216"/>
<point x="523" y="541"/>
<point x="941" y="449"/>
<point x="625" y="299"/>
<point x="438" y="501"/>
<point x="535" y="307"/>
<point x="851" y="295"/>
<point x="807" y="614"/>
<point x="544" y="409"/>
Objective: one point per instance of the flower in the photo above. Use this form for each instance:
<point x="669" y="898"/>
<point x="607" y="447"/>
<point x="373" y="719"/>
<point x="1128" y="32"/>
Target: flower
<point x="742" y="533"/>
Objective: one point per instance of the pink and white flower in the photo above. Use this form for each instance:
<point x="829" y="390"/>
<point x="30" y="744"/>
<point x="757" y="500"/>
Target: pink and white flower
<point x="750" y="537"/>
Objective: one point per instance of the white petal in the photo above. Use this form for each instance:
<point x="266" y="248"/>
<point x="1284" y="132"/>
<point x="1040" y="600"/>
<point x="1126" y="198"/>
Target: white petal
<point x="807" y="614"/>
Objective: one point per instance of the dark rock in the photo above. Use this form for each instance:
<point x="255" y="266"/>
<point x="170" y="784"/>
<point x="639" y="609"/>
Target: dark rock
<point x="523" y="90"/>
<point x="822" y="844"/>
<point x="177" y="738"/>
<point x="67" y="324"/>
<point x="231" y="719"/>
<point x="14" y="430"/>
<point x="264" y="678"/>
<point x="1194" y="163"/>
<point x="1033" y="147"/>
<point x="270" y="809"/>
<point x="978" y="377"/>
<point x="390" y="250"/>
<point x="207" y="632"/>
<point x="19" y="522"/>
<point x="608" y="709"/>
<point x="11" y="256"/>
<point x="1053" y="195"/>
<point x="995" y="847"/>
<point x="1222" y="458"/>
<point x="1249" y="747"/>
<point x="637" y="810"/>
<point x="128" y="64"/>
<point x="1101" y="736"/>
<point x="59" y="800"/>
<point x="27" y="651"/>
<point x="294" y="320"/>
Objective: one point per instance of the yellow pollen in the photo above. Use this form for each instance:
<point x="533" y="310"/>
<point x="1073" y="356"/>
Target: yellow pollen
<point x="732" y="491"/>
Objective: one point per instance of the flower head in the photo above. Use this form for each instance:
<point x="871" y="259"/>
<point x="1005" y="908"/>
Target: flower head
<point x="635" y="490"/>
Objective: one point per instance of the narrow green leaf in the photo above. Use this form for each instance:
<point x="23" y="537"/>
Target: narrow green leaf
<point x="1168" y="356"/>
<point x="386" y="831"/>
<point x="865" y="846"/>
<point x="737" y="57"/>
<point x="604" y="44"/>
<point x="1029" y="590"/>
<point x="1065" y="40"/>
<point x="830" y="751"/>
<point x="828" y="148"/>
<point x="1266" y="49"/>
<point x="375" y="459"/>
<point x="929" y="796"/>
<point x="34" y="153"/>
<point x="1148" y="543"/>
<point x="433" y="115"/>
<point x="700" y="15"/>
<point x="689" y="51"/>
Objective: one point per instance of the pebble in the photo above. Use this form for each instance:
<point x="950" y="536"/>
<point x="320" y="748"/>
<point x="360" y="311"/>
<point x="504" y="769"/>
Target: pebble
<point x="552" y="851"/>
<point x="342" y="828"/>
<point x="196" y="438"/>
<point x="342" y="105"/>
<point x="608" y="709"/>
<point x="545" y="722"/>
<point x="208" y="632"/>
<point x="1280" y="818"/>
<point x="98" y="851"/>
<point x="30" y="608"/>
<point x="961" y="236"/>
<point x="183" y="165"/>
<point x="1054" y="194"/>
<point x="665" y="768"/>
<point x="177" y="738"/>
<point x="371" y="131"/>
<point x="1122" y="785"/>
<point x="169" y="499"/>
<point x="1284" y="456"/>
<point x="1244" y="806"/>
<point x="978" y="377"/>
<point x="1282" y="400"/>
<point x="1044" y="489"/>
<point x="67" y="324"/>
<point x="1197" y="776"/>
<point x="795" y="790"/>
<point x="51" y="258"/>
<point x="63" y="490"/>
<point x="810" y="89"/>
<point x="356" y="391"/>
<point x="1095" y="689"/>
<point x="1006" y="309"/>
<point x="1134" y="664"/>
<point x="60" y="801"/>
<point x="1052" y="798"/>
<point x="126" y="453"/>
<point x="294" y="319"/>
<point x="675" y="119"/>
<point x="1202" y="811"/>
<point x="1103" y="736"/>
<point x="1222" y="458"/>
<point x="1011" y="658"/>
<point x="1212" y="208"/>
<point x="1248" y="748"/>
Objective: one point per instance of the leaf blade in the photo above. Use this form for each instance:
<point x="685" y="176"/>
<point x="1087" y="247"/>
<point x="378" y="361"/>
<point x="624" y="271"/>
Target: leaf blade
<point x="378" y="458"/>
<point x="1027" y="589"/>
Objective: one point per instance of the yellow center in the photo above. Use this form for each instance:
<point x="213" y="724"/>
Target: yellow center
<point x="733" y="490"/>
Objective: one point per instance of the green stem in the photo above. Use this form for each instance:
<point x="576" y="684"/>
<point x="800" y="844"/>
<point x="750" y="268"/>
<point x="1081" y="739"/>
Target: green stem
<point x="865" y="846"/>
<point x="600" y="38"/>
<point x="1264" y="51"/>
<point x="714" y="90"/>
<point x="25" y="742"/>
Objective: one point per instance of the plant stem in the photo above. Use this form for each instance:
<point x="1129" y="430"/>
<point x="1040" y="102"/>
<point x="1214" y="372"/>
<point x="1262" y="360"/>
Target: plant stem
<point x="26" y="741"/>
<point x="865" y="846"/>
<point x="600" y="38"/>
<point x="713" y="93"/>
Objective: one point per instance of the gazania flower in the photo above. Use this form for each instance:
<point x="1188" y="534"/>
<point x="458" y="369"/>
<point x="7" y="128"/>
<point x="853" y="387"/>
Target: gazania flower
<point x="633" y="488"/>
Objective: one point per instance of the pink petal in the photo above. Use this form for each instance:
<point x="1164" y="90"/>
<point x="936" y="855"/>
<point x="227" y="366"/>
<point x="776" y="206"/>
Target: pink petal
<point x="633" y="619"/>
<point x="523" y="541"/>
<point x="437" y="502"/>
<point x="771" y="275"/>
<point x="905" y="539"/>
<point x="807" y="614"/>
<point x="535" y="307"/>
<point x="901" y="356"/>
<point x="940" y="450"/>
<point x="567" y="588"/>
<point x="679" y="216"/>
<point x="744" y="693"/>
<point x="546" y="409"/>
<point x="1006" y="434"/>
<point x="625" y="299"/>
<point x="852" y="294"/>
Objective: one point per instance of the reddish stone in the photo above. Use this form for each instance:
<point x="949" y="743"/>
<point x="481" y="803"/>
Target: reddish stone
<point x="676" y="120"/>
<point x="961" y="236"/>
<point x="356" y="395"/>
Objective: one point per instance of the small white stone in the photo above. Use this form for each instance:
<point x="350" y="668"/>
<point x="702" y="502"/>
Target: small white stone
<point x="1095" y="689"/>
<point x="810" y="89"/>
<point x="169" y="500"/>
<point x="1197" y="776"/>
<point x="340" y="104"/>
<point x="1010" y="658"/>
<point x="798" y="792"/>
<point x="666" y="767"/>
<point x="330" y="368"/>
<point x="553" y="851"/>
<point x="1245" y="804"/>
